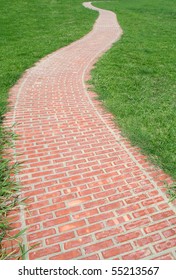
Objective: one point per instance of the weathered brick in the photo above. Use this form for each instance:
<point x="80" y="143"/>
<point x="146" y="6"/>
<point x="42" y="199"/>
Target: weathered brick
<point x="128" y="236"/>
<point x="77" y="243"/>
<point x="165" y="245"/>
<point x="88" y="213"/>
<point x="165" y="257"/>
<point x="60" y="238"/>
<point x="100" y="217"/>
<point x="71" y="255"/>
<point x="156" y="227"/>
<point x="41" y="234"/>
<point x="144" y="212"/>
<point x="140" y="254"/>
<point x="148" y="239"/>
<point x="107" y="233"/>
<point x="71" y="226"/>
<point x="98" y="246"/>
<point x="44" y="252"/>
<point x="169" y="232"/>
<point x="112" y="206"/>
<point x="117" y="250"/>
<point x="56" y="222"/>
<point x="162" y="215"/>
<point x="90" y="229"/>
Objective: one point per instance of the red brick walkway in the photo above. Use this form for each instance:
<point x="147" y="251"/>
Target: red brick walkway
<point x="92" y="195"/>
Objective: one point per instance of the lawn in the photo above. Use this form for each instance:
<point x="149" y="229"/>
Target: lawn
<point x="136" y="78"/>
<point x="30" y="29"/>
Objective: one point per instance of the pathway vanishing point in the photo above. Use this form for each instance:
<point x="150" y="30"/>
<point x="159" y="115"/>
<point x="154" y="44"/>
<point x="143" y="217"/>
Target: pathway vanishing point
<point x="92" y="195"/>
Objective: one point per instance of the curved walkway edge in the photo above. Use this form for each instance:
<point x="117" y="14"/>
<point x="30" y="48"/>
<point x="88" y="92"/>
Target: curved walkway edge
<point x="91" y="194"/>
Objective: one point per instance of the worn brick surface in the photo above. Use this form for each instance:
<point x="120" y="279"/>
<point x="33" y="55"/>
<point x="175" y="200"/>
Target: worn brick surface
<point x="92" y="195"/>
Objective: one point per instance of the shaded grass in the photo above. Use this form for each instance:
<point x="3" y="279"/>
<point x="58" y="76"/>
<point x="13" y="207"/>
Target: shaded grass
<point x="171" y="191"/>
<point x="136" y="78"/>
<point x="8" y="186"/>
<point x="30" y="29"/>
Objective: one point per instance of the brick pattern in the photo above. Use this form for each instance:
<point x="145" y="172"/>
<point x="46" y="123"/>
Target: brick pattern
<point x="91" y="194"/>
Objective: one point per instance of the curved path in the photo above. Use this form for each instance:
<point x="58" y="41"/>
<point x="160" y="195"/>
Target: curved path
<point x="92" y="195"/>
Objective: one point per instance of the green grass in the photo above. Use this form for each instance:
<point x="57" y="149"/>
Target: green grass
<point x="136" y="78"/>
<point x="30" y="29"/>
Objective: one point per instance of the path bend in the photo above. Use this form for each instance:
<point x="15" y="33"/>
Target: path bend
<point x="92" y="195"/>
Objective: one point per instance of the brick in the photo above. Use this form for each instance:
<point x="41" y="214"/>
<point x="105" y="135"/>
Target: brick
<point x="170" y="232"/>
<point x="118" y="185"/>
<point x="110" y="232"/>
<point x="64" y="198"/>
<point x="90" y="229"/>
<point x="165" y="257"/>
<point x="77" y="243"/>
<point x="162" y="215"/>
<point x="56" y="176"/>
<point x="38" y="205"/>
<point x="143" y="189"/>
<point x="57" y="186"/>
<point x="60" y="238"/>
<point x="140" y="254"/>
<point x="42" y="174"/>
<point x="93" y="173"/>
<point x="92" y="257"/>
<point x="137" y="224"/>
<point x="35" y="192"/>
<point x="104" y="194"/>
<point x="148" y="239"/>
<point x="34" y="228"/>
<point x="57" y="221"/>
<point x="41" y="234"/>
<point x="172" y="221"/>
<point x="128" y="236"/>
<point x="90" y="191"/>
<point x="98" y="246"/>
<point x="156" y="227"/>
<point x="48" y="195"/>
<point x="51" y="208"/>
<point x="79" y="201"/>
<point x="39" y="218"/>
<point x="100" y="217"/>
<point x="95" y="203"/>
<point x="163" y="206"/>
<point x="71" y="255"/>
<point x="112" y="206"/>
<point x="71" y="226"/>
<point x="88" y="213"/>
<point x="152" y="201"/>
<point x="120" y="195"/>
<point x="128" y="209"/>
<point x="45" y="184"/>
<point x="71" y="210"/>
<point x="70" y="179"/>
<point x="31" y="182"/>
<point x="135" y="198"/>
<point x="153" y="193"/>
<point x="117" y="250"/>
<point x="171" y="243"/>
<point x="82" y="181"/>
<point x="144" y="212"/>
<point x="119" y="220"/>
<point x="44" y="252"/>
